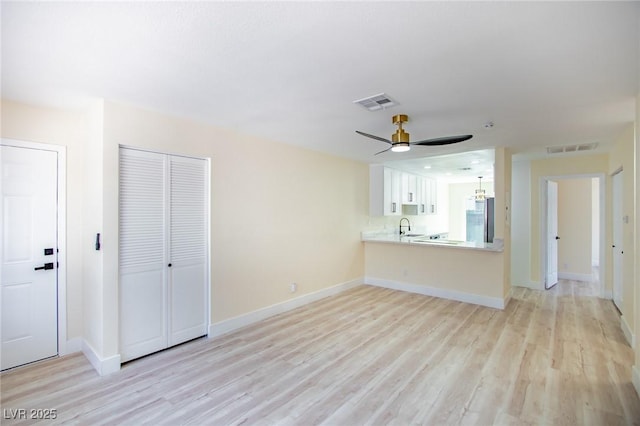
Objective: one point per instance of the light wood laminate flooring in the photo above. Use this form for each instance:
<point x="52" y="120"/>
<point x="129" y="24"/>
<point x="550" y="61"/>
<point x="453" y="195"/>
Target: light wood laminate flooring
<point x="366" y="356"/>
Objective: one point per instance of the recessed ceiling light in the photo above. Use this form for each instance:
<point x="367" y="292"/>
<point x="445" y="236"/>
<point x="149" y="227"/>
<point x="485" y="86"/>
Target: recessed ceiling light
<point x="475" y="162"/>
<point x="448" y="174"/>
<point x="427" y="167"/>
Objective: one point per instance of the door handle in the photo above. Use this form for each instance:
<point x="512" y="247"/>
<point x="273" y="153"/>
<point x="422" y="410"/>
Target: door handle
<point x="557" y="238"/>
<point x="46" y="267"/>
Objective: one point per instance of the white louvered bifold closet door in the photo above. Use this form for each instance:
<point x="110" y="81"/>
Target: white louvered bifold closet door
<point x="163" y="251"/>
<point x="143" y="253"/>
<point x="187" y="249"/>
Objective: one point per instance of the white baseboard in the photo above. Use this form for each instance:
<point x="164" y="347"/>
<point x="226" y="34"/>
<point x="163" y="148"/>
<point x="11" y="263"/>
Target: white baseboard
<point x="508" y="298"/>
<point x="607" y="294"/>
<point x="476" y="299"/>
<point x="573" y="276"/>
<point x="72" y="346"/>
<point x="628" y="334"/>
<point x="635" y="378"/>
<point x="529" y="284"/>
<point x="103" y="366"/>
<point x="232" y="324"/>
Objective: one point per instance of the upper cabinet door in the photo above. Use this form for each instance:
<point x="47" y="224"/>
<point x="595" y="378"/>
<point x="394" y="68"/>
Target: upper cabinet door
<point x="392" y="192"/>
<point x="432" y="199"/>
<point x="409" y="188"/>
<point x="422" y="195"/>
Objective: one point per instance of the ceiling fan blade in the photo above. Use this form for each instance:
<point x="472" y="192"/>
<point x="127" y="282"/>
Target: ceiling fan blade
<point x="382" y="151"/>
<point x="443" y="141"/>
<point x="378" y="138"/>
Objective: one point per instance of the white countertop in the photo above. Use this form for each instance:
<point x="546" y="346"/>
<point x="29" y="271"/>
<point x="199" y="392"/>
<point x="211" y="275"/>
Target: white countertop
<point x="377" y="237"/>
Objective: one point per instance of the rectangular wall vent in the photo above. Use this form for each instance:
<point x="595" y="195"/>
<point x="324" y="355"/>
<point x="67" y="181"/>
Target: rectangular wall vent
<point x="376" y="102"/>
<point x="572" y="148"/>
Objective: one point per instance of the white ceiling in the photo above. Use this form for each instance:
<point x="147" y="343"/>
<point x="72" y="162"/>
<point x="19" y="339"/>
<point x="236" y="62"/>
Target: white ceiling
<point x="546" y="73"/>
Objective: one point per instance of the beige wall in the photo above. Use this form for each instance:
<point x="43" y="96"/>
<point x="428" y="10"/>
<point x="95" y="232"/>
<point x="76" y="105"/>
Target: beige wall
<point x="93" y="208"/>
<point x="502" y="189"/>
<point x="575" y="226"/>
<point x="68" y="129"/>
<point x="472" y="272"/>
<point x="279" y="213"/>
<point x="636" y="279"/>
<point x="595" y="222"/>
<point x="622" y="157"/>
<point x="521" y="224"/>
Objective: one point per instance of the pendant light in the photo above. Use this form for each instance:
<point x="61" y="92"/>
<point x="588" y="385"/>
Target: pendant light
<point x="480" y="193"/>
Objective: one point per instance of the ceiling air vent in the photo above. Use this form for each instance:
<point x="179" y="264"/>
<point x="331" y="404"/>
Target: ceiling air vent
<point x="376" y="102"/>
<point x="572" y="148"/>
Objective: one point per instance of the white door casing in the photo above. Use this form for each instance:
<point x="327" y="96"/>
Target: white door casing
<point x="617" y="245"/>
<point x="552" y="234"/>
<point x="29" y="293"/>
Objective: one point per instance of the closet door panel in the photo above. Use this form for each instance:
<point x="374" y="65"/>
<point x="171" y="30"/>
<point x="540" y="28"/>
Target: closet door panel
<point x="188" y="248"/>
<point x="142" y="319"/>
<point x="143" y="253"/>
<point x="187" y="292"/>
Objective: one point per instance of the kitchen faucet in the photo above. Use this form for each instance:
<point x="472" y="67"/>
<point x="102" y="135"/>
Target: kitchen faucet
<point x="408" y="225"/>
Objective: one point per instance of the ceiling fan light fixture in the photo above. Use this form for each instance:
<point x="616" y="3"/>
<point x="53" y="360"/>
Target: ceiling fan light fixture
<point x="400" y="139"/>
<point x="400" y="147"/>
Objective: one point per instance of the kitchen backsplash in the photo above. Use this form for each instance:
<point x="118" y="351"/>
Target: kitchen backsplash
<point x="419" y="224"/>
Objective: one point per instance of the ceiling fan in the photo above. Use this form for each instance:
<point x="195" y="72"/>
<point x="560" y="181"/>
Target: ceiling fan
<point x="400" y="139"/>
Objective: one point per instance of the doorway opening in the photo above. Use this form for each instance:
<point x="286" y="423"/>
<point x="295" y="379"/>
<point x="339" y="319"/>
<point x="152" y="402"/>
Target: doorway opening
<point x="571" y="229"/>
<point x="617" y="245"/>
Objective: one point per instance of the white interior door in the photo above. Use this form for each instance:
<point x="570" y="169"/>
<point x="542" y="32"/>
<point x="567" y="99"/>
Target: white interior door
<point x="143" y="253"/>
<point x="188" y="255"/>
<point x="617" y="245"/>
<point x="552" y="234"/>
<point x="28" y="297"/>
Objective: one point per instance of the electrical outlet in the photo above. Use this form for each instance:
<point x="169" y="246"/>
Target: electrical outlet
<point x="293" y="287"/>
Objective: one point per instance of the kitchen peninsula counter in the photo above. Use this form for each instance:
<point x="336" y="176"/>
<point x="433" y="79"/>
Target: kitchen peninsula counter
<point x="376" y="237"/>
<point x="463" y="271"/>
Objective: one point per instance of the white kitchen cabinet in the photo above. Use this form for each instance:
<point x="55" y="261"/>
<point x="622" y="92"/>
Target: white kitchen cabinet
<point x="163" y="241"/>
<point x="427" y="196"/>
<point x="422" y="195"/>
<point x="385" y="198"/>
<point x="390" y="189"/>
<point x="409" y="188"/>
<point x="432" y="196"/>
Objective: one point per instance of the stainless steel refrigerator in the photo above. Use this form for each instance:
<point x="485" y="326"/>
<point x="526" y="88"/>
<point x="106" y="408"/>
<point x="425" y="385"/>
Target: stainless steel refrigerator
<point x="480" y="221"/>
